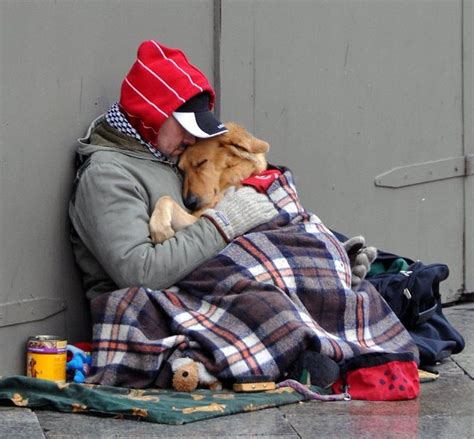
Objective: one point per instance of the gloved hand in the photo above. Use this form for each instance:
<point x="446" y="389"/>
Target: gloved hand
<point x="360" y="257"/>
<point x="240" y="211"/>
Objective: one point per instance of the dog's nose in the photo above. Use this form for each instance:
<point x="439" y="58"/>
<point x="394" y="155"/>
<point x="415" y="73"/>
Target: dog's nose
<point x="191" y="202"/>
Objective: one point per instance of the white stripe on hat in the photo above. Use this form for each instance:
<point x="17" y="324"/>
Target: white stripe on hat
<point x="145" y="99"/>
<point x="161" y="80"/>
<point x="176" y="65"/>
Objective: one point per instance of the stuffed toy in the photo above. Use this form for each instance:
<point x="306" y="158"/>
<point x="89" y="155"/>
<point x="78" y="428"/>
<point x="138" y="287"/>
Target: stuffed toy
<point x="188" y="375"/>
<point x="79" y="365"/>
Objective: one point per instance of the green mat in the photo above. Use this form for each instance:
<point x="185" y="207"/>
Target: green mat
<point x="152" y="405"/>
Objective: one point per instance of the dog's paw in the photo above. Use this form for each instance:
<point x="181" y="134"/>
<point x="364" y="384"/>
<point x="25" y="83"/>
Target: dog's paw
<point x="160" y="232"/>
<point x="160" y="222"/>
<point x="160" y="229"/>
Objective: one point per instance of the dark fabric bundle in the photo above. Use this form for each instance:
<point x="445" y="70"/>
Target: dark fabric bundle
<point x="413" y="294"/>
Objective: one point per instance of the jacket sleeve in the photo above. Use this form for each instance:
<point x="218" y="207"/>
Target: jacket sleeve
<point x="110" y="213"/>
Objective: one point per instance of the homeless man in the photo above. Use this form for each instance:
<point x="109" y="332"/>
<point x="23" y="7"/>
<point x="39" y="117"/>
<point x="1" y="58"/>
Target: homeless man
<point x="250" y="307"/>
<point x="129" y="161"/>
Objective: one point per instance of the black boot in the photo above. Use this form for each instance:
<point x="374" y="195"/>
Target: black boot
<point x="314" y="368"/>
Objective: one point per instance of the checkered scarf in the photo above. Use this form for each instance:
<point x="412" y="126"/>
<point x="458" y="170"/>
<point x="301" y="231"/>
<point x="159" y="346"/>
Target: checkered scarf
<point x="116" y="119"/>
<point x="251" y="310"/>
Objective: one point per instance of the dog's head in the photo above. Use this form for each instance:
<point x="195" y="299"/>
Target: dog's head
<point x="211" y="166"/>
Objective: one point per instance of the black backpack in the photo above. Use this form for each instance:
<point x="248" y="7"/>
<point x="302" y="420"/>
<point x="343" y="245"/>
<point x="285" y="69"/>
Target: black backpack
<point x="413" y="294"/>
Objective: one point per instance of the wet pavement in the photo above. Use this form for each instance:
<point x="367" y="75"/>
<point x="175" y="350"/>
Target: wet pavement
<point x="445" y="409"/>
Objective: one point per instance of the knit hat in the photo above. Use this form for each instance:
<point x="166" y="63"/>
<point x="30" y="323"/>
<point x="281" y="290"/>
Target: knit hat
<point x="160" y="81"/>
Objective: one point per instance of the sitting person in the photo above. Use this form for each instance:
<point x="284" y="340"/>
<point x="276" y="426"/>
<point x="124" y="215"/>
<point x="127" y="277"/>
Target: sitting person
<point x="128" y="161"/>
<point x="243" y="304"/>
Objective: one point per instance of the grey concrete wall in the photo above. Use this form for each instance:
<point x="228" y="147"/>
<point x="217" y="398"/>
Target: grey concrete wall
<point x="348" y="90"/>
<point x="468" y="81"/>
<point x="62" y="63"/>
<point x="344" y="90"/>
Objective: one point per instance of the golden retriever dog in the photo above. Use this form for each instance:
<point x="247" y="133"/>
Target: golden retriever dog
<point x="210" y="166"/>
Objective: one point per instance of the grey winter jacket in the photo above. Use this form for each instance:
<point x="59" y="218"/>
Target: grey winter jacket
<point x="114" y="193"/>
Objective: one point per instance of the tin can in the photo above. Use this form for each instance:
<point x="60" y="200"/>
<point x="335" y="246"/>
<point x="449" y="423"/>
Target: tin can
<point x="46" y="358"/>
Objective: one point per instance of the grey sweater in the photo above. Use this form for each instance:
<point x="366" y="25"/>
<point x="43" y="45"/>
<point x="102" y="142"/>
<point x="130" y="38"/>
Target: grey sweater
<point x="114" y="193"/>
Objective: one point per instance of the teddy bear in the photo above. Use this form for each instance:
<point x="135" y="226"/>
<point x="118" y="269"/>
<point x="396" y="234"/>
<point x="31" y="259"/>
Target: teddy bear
<point x="189" y="374"/>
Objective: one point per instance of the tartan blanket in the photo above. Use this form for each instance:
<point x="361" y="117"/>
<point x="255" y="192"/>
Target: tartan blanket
<point x="251" y="310"/>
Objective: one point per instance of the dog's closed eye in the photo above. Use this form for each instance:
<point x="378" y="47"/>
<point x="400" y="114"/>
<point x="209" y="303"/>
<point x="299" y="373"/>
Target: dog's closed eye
<point x="200" y="163"/>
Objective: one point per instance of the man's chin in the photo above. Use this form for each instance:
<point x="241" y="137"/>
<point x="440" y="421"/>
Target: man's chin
<point x="176" y="153"/>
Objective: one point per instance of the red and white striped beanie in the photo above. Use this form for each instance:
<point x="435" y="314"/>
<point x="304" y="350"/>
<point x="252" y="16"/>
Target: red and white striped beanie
<point x="161" y="80"/>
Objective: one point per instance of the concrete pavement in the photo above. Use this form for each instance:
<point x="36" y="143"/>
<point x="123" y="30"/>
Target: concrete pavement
<point x="444" y="409"/>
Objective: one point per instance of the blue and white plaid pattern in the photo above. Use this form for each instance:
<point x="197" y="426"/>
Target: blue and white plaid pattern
<point x="117" y="120"/>
<point x="251" y="310"/>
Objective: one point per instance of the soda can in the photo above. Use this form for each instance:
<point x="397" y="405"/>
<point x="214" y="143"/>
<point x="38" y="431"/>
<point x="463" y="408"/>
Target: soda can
<point x="46" y="357"/>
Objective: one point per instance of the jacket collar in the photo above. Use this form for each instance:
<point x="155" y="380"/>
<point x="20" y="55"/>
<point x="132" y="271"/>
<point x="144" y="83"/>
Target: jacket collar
<point x="101" y="136"/>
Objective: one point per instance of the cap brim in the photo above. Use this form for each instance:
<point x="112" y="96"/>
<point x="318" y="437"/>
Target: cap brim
<point x="201" y="124"/>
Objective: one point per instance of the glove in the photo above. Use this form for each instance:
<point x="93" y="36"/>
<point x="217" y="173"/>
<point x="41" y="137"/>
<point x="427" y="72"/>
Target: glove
<point x="240" y="211"/>
<point x="360" y="257"/>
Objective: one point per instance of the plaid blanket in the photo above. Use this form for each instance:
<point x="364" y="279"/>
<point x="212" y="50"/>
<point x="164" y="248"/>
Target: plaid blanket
<point x="251" y="310"/>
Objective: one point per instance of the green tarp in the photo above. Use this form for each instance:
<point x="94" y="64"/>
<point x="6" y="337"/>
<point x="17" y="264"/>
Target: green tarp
<point x="152" y="405"/>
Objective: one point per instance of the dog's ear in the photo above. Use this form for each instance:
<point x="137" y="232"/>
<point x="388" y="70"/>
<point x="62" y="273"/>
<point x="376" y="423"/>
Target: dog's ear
<point x="239" y="137"/>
